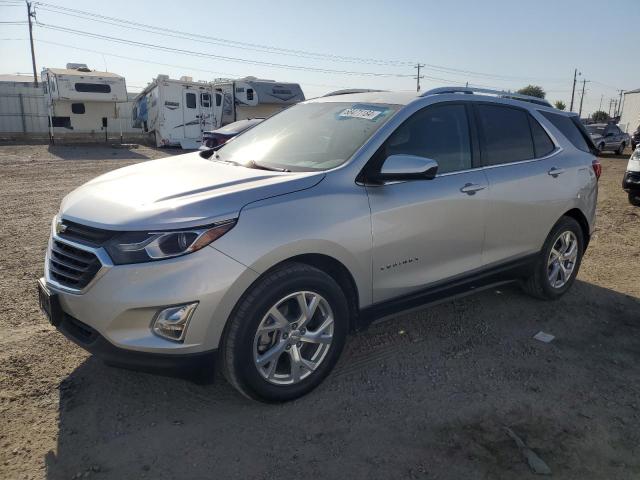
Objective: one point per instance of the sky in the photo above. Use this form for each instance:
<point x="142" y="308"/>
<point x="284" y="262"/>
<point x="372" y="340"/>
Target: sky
<point x="332" y="44"/>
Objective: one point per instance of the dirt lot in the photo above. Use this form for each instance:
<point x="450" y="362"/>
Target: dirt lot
<point x="424" y="396"/>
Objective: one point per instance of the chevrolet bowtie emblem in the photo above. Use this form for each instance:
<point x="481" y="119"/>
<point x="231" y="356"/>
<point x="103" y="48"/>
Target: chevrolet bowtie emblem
<point x="60" y="227"/>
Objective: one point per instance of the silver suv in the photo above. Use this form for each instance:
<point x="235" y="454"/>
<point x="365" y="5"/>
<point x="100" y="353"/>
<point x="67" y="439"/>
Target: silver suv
<point x="265" y="253"/>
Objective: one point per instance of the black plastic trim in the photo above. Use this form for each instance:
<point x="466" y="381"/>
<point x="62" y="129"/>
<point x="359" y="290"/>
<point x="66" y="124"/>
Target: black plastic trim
<point x="458" y="286"/>
<point x="169" y="364"/>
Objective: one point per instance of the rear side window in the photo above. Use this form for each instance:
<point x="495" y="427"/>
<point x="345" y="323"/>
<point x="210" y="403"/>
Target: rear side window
<point x="506" y="134"/>
<point x="568" y="129"/>
<point x="542" y="144"/>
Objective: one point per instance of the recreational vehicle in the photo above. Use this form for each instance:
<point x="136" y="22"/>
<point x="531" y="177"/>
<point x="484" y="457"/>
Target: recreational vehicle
<point x="251" y="97"/>
<point x="82" y="102"/>
<point x="174" y="112"/>
<point x="177" y="112"/>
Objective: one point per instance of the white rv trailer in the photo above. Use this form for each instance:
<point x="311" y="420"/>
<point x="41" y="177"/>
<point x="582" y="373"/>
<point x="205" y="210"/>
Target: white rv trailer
<point x="83" y="102"/>
<point x="251" y="97"/>
<point x="174" y="112"/>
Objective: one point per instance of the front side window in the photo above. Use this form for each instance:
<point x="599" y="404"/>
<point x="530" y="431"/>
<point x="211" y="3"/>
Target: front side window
<point x="308" y="136"/>
<point x="440" y="133"/>
<point x="93" y="87"/>
<point x="506" y="134"/>
<point x="191" y="100"/>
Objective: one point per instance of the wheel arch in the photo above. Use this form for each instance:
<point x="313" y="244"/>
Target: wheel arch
<point x="580" y="217"/>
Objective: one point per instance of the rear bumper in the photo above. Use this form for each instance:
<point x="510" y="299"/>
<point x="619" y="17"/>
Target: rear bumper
<point x="89" y="339"/>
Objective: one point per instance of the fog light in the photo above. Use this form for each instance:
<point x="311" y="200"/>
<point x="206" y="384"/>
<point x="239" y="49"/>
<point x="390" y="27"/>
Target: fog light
<point x="172" y="322"/>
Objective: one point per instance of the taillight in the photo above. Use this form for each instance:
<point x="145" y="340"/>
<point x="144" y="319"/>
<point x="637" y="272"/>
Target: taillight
<point x="597" y="168"/>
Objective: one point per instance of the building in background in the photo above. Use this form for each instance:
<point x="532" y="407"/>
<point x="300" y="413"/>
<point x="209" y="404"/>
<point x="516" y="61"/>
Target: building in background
<point x="23" y="113"/>
<point x="630" y="117"/>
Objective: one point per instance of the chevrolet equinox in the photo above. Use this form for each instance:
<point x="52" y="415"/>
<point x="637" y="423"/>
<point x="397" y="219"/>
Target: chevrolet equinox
<point x="262" y="255"/>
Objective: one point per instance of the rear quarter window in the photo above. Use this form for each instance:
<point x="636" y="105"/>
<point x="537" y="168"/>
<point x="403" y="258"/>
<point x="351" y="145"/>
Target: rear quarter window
<point x="570" y="130"/>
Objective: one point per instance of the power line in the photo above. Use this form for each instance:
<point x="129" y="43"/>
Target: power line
<point x="219" y="57"/>
<point x="266" y="48"/>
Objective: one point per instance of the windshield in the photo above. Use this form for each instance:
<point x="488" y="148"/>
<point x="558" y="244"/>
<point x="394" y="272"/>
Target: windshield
<point x="593" y="129"/>
<point x="310" y="136"/>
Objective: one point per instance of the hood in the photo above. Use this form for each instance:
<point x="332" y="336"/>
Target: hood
<point x="176" y="192"/>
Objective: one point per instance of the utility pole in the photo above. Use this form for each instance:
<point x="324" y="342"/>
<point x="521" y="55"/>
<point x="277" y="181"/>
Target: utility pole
<point x="601" y="98"/>
<point x="619" y="110"/>
<point x="31" y="14"/>
<point x="584" y="84"/>
<point x="418" y="76"/>
<point x="610" y="105"/>
<point x="573" y="90"/>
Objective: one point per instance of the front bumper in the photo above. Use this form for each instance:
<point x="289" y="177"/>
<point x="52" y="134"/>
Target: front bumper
<point x="120" y="304"/>
<point x="179" y="364"/>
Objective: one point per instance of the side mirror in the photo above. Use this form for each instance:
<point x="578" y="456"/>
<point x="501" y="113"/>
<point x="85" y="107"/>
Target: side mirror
<point x="406" y="167"/>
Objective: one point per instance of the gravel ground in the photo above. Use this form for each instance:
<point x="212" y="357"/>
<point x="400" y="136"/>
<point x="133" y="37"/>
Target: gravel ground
<point x="426" y="395"/>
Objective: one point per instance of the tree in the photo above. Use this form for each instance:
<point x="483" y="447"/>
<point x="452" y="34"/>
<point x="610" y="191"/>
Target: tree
<point x="560" y="105"/>
<point x="533" y="91"/>
<point x="600" y="116"/>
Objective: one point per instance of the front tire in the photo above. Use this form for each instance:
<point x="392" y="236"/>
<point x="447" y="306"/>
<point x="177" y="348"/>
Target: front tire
<point x="286" y="334"/>
<point x="634" y="199"/>
<point x="557" y="265"/>
<point x="621" y="148"/>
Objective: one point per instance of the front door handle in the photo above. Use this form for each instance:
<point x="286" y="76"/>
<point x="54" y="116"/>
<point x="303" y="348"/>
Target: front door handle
<point x="555" y="171"/>
<point x="471" y="188"/>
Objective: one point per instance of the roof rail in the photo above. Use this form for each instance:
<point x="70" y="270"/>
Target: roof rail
<point x="348" y="91"/>
<point x="487" y="91"/>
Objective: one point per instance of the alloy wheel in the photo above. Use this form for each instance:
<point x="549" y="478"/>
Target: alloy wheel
<point x="562" y="259"/>
<point x="293" y="338"/>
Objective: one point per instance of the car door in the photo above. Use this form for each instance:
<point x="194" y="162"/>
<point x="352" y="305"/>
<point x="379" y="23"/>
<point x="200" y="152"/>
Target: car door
<point x="527" y="181"/>
<point x="191" y="115"/>
<point x="427" y="231"/>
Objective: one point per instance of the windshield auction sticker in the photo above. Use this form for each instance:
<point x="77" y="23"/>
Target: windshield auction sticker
<point x="364" y="112"/>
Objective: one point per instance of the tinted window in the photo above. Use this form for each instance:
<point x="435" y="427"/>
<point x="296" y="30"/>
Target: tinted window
<point x="93" y="87"/>
<point x="205" y="100"/>
<point x="440" y="133"/>
<point x="568" y="129"/>
<point x="507" y="137"/>
<point x="191" y="100"/>
<point x="77" y="108"/>
<point x="249" y="93"/>
<point x="542" y="144"/>
<point x="218" y="99"/>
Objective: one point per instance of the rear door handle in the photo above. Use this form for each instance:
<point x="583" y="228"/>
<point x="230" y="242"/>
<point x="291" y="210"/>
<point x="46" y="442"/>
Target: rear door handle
<point x="471" y="188"/>
<point x="555" y="171"/>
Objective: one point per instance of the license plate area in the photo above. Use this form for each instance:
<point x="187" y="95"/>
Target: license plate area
<point x="49" y="304"/>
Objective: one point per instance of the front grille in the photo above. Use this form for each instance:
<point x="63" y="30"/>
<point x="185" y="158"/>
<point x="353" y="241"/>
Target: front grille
<point x="70" y="266"/>
<point x="83" y="234"/>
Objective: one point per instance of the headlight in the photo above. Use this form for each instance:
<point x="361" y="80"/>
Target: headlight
<point x="137" y="247"/>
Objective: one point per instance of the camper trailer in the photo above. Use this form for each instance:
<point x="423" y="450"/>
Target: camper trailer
<point x="83" y="103"/>
<point x="174" y="112"/>
<point x="251" y="97"/>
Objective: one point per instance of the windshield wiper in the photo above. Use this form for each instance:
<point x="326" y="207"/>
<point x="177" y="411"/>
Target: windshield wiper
<point x="261" y="166"/>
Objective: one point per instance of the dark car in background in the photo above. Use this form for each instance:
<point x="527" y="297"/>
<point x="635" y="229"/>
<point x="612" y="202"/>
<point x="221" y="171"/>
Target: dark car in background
<point x="215" y="138"/>
<point x="608" y="137"/>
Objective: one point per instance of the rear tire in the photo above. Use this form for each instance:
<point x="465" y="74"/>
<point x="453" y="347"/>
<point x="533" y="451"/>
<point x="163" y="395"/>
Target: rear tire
<point x="557" y="256"/>
<point x="270" y="324"/>
<point x="601" y="148"/>
<point x="634" y="199"/>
